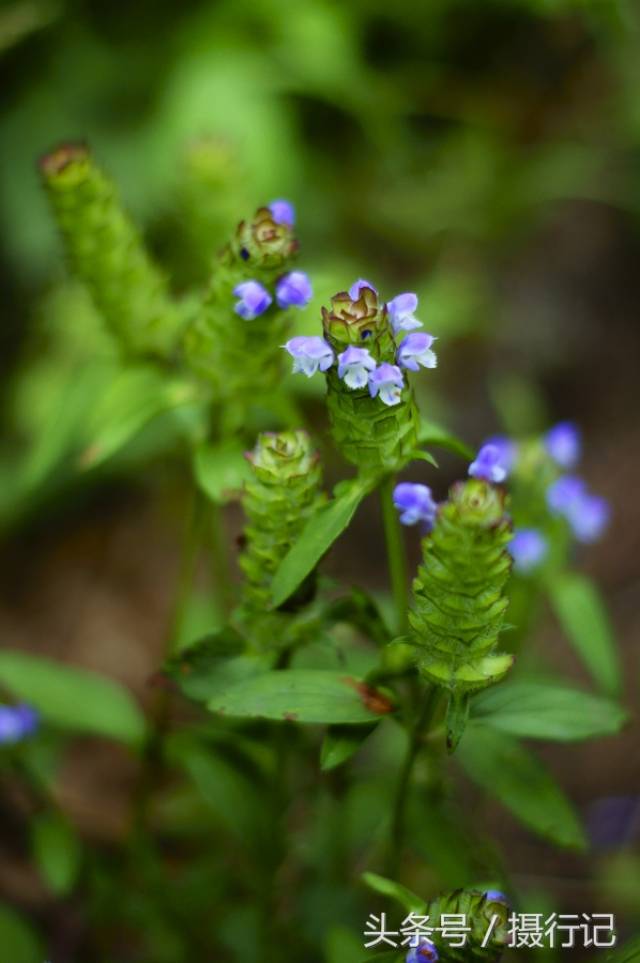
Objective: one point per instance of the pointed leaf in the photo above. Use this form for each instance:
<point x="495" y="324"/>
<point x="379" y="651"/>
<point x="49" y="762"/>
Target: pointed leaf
<point x="341" y="743"/>
<point x="57" y="852"/>
<point x="392" y="890"/>
<point x="431" y="433"/>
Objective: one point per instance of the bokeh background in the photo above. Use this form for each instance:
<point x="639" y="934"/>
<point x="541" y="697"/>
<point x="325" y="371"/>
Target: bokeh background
<point x="486" y="155"/>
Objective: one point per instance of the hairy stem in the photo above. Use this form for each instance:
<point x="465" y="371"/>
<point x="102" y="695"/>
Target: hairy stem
<point x="396" y="557"/>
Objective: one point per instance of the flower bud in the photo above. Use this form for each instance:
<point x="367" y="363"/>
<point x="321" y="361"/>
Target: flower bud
<point x="486" y="918"/>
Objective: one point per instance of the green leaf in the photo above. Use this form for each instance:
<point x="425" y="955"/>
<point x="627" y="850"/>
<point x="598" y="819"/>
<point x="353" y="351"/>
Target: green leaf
<point x="317" y="537"/>
<point x="581" y="612"/>
<point x="431" y="433"/>
<point x="57" y="852"/>
<point x="221" y="470"/>
<point x="341" y="743"/>
<point x="506" y="770"/>
<point x="72" y="698"/>
<point x="538" y="710"/>
<point x="18" y="941"/>
<point x="303" y="695"/>
<point x="214" y="664"/>
<point x="395" y="891"/>
<point x="628" y="953"/>
<point x="418" y="455"/>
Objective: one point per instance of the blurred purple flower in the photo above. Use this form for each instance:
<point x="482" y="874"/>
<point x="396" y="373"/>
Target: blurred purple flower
<point x="355" y="366"/>
<point x="564" y="492"/>
<point x="401" y="312"/>
<point x="283" y="212"/>
<point x="309" y="354"/>
<point x="587" y="514"/>
<point x="496" y="896"/>
<point x="254" y="300"/>
<point x="415" y="502"/>
<point x="17" y="722"/>
<point x="425" y="952"/>
<point x="386" y="381"/>
<point x="357" y="286"/>
<point x="563" y="444"/>
<point x="415" y="350"/>
<point x="488" y="465"/>
<point x="508" y="450"/>
<point x="528" y="548"/>
<point x="293" y="290"/>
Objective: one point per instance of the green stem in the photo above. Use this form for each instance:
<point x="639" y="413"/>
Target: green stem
<point x="395" y="553"/>
<point x="417" y="734"/>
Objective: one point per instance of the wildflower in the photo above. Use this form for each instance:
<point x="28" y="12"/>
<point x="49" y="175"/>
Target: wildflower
<point x="293" y="290"/>
<point x="353" y="319"/>
<point x="424" y="953"/>
<point x="508" y="450"/>
<point x="17" y="722"/>
<point x="310" y="354"/>
<point x="254" y="300"/>
<point x="415" y="502"/>
<point x="589" y="516"/>
<point x="496" y="896"/>
<point x="488" y="465"/>
<point x="563" y="444"/>
<point x="354" y="366"/>
<point x="401" y="314"/>
<point x="387" y="382"/>
<point x="528" y="549"/>
<point x="264" y="241"/>
<point x="415" y="350"/>
<point x="283" y="212"/>
<point x="357" y="286"/>
<point x="564" y="492"/>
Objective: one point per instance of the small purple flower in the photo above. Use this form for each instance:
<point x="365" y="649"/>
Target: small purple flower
<point x="488" y="465"/>
<point x="357" y="286"/>
<point x="310" y="354"/>
<point x="283" y="212"/>
<point x="386" y="381"/>
<point x="293" y="290"/>
<point x="564" y="492"/>
<point x="415" y="502"/>
<point x="496" y="896"/>
<point x="425" y="952"/>
<point x="508" y="450"/>
<point x="563" y="444"/>
<point x="401" y="312"/>
<point x="17" y="722"/>
<point x="254" y="300"/>
<point x="528" y="548"/>
<point x="355" y="366"/>
<point x="589" y="516"/>
<point x="415" y="350"/>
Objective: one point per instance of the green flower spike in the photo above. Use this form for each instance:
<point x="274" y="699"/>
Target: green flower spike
<point x="283" y="492"/>
<point x="459" y="598"/>
<point x="374" y="436"/>
<point x="105" y="251"/>
<point x="484" y="913"/>
<point x="236" y="356"/>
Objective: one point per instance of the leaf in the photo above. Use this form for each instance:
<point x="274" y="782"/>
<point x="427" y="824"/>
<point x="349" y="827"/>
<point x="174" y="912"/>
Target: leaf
<point x="18" y="941"/>
<point x="431" y="433"/>
<point x="214" y="664"/>
<point x="303" y="695"/>
<point x="317" y="537"/>
<point x="538" y="710"/>
<point x="57" y="852"/>
<point x="418" y="455"/>
<point x="506" y="770"/>
<point x="73" y="698"/>
<point x="581" y="612"/>
<point x="628" y="953"/>
<point x="395" y="891"/>
<point x="221" y="470"/>
<point x="341" y="743"/>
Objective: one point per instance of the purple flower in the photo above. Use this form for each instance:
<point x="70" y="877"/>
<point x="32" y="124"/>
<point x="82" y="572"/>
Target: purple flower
<point x="564" y="492"/>
<point x="425" y="952"/>
<point x="293" y="290"/>
<point x="496" y="896"/>
<point x="508" y="450"/>
<point x="589" y="516"/>
<point x="401" y="314"/>
<point x="283" y="212"/>
<point x="357" y="286"/>
<point x="528" y="548"/>
<point x="563" y="444"/>
<point x="415" y="350"/>
<point x="17" y="722"/>
<point x="415" y="502"/>
<point x="386" y="381"/>
<point x="254" y="300"/>
<point x="488" y="464"/>
<point x="355" y="366"/>
<point x="309" y="354"/>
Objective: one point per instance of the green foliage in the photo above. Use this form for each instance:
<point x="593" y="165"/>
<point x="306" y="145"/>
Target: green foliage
<point x="341" y="743"/>
<point x="221" y="470"/>
<point x="57" y="851"/>
<point x="19" y="942"/>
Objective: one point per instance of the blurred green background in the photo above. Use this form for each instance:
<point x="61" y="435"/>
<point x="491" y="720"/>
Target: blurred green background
<point x="486" y="155"/>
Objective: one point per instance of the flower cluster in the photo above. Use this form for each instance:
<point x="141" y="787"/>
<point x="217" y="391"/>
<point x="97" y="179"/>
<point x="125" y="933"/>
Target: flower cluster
<point x="357" y="310"/>
<point x="16" y="723"/>
<point x="291" y="290"/>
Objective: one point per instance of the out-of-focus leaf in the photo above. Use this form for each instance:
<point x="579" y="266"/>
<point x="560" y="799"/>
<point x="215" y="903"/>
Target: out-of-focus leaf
<point x="540" y="710"/>
<point x="72" y="698"/>
<point x="303" y="695"/>
<point x="57" y="852"/>
<point x="581" y="612"/>
<point x="342" y="946"/>
<point x="317" y="537"/>
<point x="341" y="743"/>
<point x="506" y="770"/>
<point x="419" y="455"/>
<point x="221" y="470"/>
<point x="213" y="665"/>
<point x="431" y="433"/>
<point x="628" y="953"/>
<point x="392" y="890"/>
<point x="18" y="941"/>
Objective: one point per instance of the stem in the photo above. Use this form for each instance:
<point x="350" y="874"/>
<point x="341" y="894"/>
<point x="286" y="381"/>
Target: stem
<point x="396" y="556"/>
<point x="222" y="584"/>
<point x="398" y="819"/>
